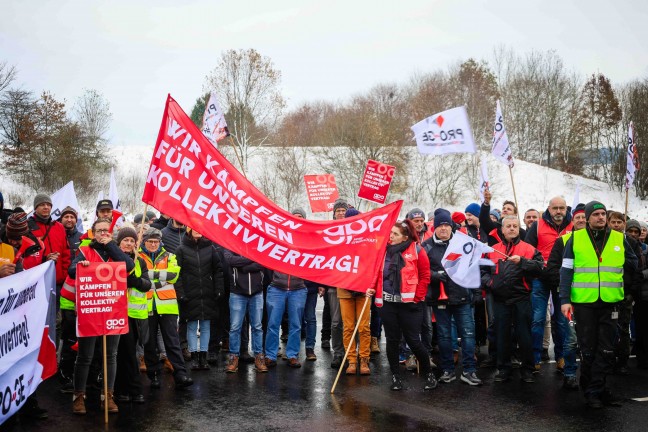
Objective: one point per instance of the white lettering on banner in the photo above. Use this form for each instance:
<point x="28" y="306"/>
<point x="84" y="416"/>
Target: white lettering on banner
<point x="347" y="232"/>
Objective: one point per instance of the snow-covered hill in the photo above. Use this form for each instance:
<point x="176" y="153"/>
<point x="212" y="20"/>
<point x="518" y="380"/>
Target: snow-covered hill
<point x="534" y="184"/>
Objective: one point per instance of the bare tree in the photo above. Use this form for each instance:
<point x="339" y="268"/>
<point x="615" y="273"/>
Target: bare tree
<point x="282" y="176"/>
<point x="247" y="85"/>
<point x="92" y="113"/>
<point x="7" y="75"/>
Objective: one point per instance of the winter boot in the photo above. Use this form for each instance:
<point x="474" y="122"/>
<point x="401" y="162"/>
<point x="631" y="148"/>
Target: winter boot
<point x="352" y="369"/>
<point x="202" y="361"/>
<point x="112" y="406"/>
<point x="260" y="364"/>
<point x="78" y="403"/>
<point x="364" y="367"/>
<point x="194" y="365"/>
<point x="232" y="364"/>
<point x="375" y="347"/>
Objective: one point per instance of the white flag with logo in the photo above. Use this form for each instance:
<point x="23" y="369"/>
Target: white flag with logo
<point x="576" y="196"/>
<point x="445" y="132"/>
<point x="633" y="158"/>
<point x="462" y="259"/>
<point x="214" y="125"/>
<point x="113" y="196"/>
<point x="501" y="148"/>
<point x="484" y="179"/>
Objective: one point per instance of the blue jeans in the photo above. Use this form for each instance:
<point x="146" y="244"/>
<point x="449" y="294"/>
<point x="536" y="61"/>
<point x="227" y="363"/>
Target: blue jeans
<point x="465" y="321"/>
<point x="570" y="350"/>
<point x="239" y="305"/>
<point x="559" y="324"/>
<point x="276" y="302"/>
<point x="310" y="319"/>
<point x="192" y="336"/>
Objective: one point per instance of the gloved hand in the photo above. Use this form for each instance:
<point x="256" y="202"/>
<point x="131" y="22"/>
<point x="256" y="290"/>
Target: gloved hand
<point x="439" y="276"/>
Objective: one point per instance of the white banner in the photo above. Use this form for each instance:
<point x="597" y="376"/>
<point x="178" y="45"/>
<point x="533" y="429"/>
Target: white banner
<point x="27" y="334"/>
<point x="445" y="132"/>
<point x="501" y="148"/>
<point x="113" y="196"/>
<point x="462" y="259"/>
<point x="633" y="158"/>
<point x="214" y="125"/>
<point x="484" y="180"/>
<point x="576" y="196"/>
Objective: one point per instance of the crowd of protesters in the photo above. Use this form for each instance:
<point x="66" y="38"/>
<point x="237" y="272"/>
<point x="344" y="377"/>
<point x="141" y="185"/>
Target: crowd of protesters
<point x="577" y="277"/>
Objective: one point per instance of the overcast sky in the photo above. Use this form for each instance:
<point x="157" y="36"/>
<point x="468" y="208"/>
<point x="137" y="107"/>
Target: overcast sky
<point x="135" y="52"/>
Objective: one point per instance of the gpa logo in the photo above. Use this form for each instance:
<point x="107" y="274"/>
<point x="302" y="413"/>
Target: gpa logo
<point x="347" y="232"/>
<point x="408" y="256"/>
<point x="378" y="196"/>
<point x="113" y="324"/>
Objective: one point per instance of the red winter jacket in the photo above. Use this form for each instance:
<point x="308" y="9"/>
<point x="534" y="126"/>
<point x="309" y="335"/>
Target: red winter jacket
<point x="55" y="239"/>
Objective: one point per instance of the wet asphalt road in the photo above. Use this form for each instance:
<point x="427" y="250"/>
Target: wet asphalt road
<point x="288" y="399"/>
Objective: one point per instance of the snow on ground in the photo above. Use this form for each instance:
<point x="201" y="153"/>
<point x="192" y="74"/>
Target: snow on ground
<point x="535" y="185"/>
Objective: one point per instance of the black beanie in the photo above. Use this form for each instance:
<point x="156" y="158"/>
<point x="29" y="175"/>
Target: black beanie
<point x="126" y="232"/>
<point x="580" y="208"/>
<point x="591" y="207"/>
<point x="442" y="216"/>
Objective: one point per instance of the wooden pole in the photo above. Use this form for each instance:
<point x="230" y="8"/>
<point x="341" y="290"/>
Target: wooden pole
<point x="364" y="307"/>
<point x="141" y="229"/>
<point x="514" y="194"/>
<point x="105" y="380"/>
<point x="625" y="213"/>
<point x="501" y="253"/>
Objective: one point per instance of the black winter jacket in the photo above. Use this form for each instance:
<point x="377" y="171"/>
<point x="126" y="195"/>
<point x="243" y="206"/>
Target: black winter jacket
<point x="246" y="276"/>
<point x="457" y="294"/>
<point x="509" y="282"/>
<point x="287" y="282"/>
<point x="172" y="237"/>
<point x="200" y="283"/>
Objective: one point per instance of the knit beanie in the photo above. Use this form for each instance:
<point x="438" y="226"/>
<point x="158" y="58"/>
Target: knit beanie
<point x="496" y="214"/>
<point x="150" y="215"/>
<point x="17" y="225"/>
<point x="340" y="203"/>
<point x="633" y="224"/>
<point x="42" y="198"/>
<point x="69" y="210"/>
<point x="300" y="211"/>
<point x="473" y="209"/>
<point x="126" y="232"/>
<point x="580" y="208"/>
<point x="458" y="217"/>
<point x="431" y="215"/>
<point x="591" y="207"/>
<point x="351" y="212"/>
<point x="442" y="216"/>
<point x="415" y="213"/>
<point x="643" y="225"/>
<point x="152" y="234"/>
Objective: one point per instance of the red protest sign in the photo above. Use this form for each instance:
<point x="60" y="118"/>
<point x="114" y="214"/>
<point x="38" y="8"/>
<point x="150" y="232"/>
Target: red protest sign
<point x="101" y="302"/>
<point x="322" y="192"/>
<point x="376" y="181"/>
<point x="191" y="181"/>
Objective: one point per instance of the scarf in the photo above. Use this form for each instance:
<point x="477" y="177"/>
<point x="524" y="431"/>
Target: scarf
<point x="396" y="263"/>
<point x="45" y="221"/>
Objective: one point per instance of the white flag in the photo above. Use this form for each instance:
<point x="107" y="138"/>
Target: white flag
<point x="501" y="148"/>
<point x="462" y="259"/>
<point x="113" y="196"/>
<point x="484" y="180"/>
<point x="633" y="158"/>
<point x="214" y="125"/>
<point x="445" y="132"/>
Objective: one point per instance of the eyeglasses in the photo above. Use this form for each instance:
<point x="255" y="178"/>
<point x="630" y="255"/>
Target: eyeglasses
<point x="102" y="231"/>
<point x="152" y="241"/>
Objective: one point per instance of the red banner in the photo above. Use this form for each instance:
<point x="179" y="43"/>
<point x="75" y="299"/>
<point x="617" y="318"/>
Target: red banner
<point x="191" y="181"/>
<point x="376" y="181"/>
<point x="101" y="301"/>
<point x="322" y="192"/>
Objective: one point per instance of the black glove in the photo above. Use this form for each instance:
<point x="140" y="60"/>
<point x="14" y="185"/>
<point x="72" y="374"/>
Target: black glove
<point x="439" y="276"/>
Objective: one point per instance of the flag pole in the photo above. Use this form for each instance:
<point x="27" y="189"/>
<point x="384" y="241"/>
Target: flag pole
<point x="105" y="380"/>
<point x="514" y="194"/>
<point x="141" y="227"/>
<point x="351" y="342"/>
<point x="238" y="157"/>
<point x="625" y="213"/>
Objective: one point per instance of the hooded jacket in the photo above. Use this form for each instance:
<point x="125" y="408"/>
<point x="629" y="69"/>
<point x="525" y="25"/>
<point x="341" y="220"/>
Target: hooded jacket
<point x="200" y="283"/>
<point x="246" y="276"/>
<point x="172" y="237"/>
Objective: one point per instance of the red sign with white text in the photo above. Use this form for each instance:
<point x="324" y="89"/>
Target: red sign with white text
<point x="322" y="192"/>
<point x="194" y="183"/>
<point x="101" y="301"/>
<point x="376" y="181"/>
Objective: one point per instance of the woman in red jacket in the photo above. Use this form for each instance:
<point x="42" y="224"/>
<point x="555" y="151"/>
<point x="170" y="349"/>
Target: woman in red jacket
<point x="406" y="276"/>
